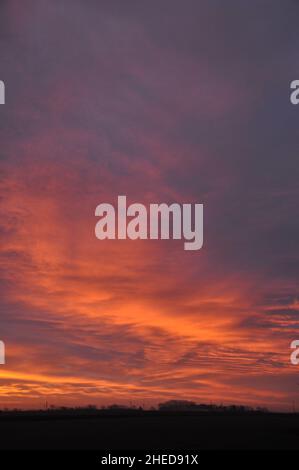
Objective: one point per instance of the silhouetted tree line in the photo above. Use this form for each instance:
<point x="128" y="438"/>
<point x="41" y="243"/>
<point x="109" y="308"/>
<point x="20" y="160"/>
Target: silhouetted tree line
<point x="170" y="406"/>
<point x="185" y="405"/>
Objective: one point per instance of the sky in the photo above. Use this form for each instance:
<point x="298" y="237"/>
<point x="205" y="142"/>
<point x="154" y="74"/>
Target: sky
<point x="167" y="101"/>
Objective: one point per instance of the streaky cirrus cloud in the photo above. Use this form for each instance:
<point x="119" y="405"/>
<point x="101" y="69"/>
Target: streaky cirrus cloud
<point x="105" y="100"/>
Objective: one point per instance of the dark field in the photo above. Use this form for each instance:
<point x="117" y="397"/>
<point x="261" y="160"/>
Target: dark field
<point x="151" y="431"/>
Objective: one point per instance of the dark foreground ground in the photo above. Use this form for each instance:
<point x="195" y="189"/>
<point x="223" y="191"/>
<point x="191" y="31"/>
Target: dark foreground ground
<point x="152" y="431"/>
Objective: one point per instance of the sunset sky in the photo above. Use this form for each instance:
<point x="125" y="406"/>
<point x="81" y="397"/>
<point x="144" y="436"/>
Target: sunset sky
<point x="163" y="102"/>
